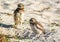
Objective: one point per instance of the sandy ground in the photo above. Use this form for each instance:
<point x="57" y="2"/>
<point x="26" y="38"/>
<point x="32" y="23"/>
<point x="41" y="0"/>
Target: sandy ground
<point x="45" y="11"/>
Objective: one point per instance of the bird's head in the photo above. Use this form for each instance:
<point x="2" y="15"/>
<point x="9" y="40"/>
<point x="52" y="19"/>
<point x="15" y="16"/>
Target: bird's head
<point x="32" y="21"/>
<point x="21" y="5"/>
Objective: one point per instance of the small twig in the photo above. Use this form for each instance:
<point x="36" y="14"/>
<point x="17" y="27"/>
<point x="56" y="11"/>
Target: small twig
<point x="10" y="14"/>
<point x="42" y="9"/>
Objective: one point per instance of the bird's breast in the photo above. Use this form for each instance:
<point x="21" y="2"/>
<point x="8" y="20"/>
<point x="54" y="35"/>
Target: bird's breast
<point x="38" y="30"/>
<point x="34" y="28"/>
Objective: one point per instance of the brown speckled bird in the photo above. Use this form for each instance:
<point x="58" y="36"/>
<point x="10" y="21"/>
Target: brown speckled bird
<point x="18" y="13"/>
<point x="35" y="26"/>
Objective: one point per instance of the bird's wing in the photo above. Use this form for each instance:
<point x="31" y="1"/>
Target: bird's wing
<point x="39" y="26"/>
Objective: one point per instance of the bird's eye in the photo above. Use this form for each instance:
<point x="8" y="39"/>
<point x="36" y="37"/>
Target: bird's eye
<point x="31" y="21"/>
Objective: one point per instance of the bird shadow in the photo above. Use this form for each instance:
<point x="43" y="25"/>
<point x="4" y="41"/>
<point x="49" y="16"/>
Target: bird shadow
<point x="5" y="25"/>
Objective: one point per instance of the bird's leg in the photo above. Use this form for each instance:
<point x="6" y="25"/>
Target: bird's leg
<point x="38" y="35"/>
<point x="14" y="26"/>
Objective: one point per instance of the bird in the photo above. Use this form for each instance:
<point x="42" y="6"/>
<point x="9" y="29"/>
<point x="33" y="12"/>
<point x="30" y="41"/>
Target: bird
<point x="36" y="27"/>
<point x="18" y="14"/>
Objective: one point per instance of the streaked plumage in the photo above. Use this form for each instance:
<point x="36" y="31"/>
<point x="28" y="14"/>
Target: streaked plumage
<point x="35" y="25"/>
<point x="18" y="14"/>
